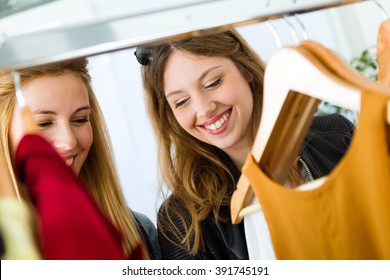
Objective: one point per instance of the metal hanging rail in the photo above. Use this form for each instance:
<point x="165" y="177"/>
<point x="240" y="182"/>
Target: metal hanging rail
<point x="53" y="45"/>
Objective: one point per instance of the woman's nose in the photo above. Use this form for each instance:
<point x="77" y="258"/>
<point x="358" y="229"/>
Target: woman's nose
<point x="65" y="138"/>
<point x="205" y="106"/>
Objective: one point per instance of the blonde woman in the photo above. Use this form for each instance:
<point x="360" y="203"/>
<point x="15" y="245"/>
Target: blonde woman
<point x="67" y="112"/>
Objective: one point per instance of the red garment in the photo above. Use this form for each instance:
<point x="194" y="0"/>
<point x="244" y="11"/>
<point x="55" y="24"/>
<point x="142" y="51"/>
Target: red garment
<point x="72" y="225"/>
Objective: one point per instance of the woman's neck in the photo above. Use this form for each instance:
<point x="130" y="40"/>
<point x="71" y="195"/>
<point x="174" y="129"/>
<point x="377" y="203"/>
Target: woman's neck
<point x="239" y="155"/>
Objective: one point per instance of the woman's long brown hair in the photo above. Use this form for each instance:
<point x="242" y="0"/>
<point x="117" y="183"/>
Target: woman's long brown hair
<point x="189" y="168"/>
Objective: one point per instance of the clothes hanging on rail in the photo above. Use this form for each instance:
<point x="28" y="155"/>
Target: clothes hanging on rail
<point x="325" y="144"/>
<point x="73" y="230"/>
<point x="16" y="229"/>
<point x="17" y="223"/>
<point x="348" y="216"/>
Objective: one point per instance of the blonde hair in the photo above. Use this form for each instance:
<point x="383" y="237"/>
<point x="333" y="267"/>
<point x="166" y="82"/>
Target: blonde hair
<point x="192" y="171"/>
<point x="99" y="171"/>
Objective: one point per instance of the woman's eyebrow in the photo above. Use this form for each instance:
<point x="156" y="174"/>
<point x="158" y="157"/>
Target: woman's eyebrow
<point x="49" y="112"/>
<point x="44" y="112"/>
<point x="86" y="107"/>
<point x="204" y="74"/>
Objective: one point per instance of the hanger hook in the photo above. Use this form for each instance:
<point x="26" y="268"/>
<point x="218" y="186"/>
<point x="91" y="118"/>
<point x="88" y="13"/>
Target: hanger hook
<point x="383" y="11"/>
<point x="293" y="30"/>
<point x="18" y="89"/>
<point x="303" y="27"/>
<point x="2" y="39"/>
<point x="275" y="34"/>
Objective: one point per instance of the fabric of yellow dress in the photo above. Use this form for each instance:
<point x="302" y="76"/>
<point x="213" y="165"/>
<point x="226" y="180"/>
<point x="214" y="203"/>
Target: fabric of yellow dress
<point x="348" y="216"/>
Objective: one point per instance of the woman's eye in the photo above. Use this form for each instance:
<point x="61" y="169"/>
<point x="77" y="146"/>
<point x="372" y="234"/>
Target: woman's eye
<point x="181" y="102"/>
<point x="214" y="84"/>
<point x="80" y="121"/>
<point x="44" y="124"/>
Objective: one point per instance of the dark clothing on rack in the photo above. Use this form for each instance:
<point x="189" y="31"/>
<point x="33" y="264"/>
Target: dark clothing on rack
<point x="325" y="144"/>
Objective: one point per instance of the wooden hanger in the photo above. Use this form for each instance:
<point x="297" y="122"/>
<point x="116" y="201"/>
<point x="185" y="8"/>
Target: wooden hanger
<point x="29" y="124"/>
<point x="287" y="116"/>
<point x="383" y="53"/>
<point x="7" y="188"/>
<point x="340" y="67"/>
<point x="382" y="47"/>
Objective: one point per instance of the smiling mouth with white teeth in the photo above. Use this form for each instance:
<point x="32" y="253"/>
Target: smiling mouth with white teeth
<point x="216" y="125"/>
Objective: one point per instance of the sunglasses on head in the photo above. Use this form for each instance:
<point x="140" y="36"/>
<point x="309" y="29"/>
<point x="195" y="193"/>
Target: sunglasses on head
<point x="144" y="55"/>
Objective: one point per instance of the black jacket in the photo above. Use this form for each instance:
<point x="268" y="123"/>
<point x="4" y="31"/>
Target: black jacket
<point x="149" y="235"/>
<point x="326" y="142"/>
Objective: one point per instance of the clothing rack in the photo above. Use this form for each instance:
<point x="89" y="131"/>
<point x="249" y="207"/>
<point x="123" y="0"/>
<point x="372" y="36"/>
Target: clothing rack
<point x="145" y="27"/>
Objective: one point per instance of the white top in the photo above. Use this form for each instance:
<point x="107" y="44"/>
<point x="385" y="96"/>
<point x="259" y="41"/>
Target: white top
<point x="258" y="238"/>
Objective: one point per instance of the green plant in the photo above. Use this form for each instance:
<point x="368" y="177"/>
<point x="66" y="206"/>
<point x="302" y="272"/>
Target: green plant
<point x="365" y="64"/>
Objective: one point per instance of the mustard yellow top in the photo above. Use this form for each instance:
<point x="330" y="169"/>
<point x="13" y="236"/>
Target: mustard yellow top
<point x="348" y="216"/>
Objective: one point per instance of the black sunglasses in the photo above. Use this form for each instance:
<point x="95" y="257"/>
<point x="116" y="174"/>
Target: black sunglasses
<point x="144" y="55"/>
